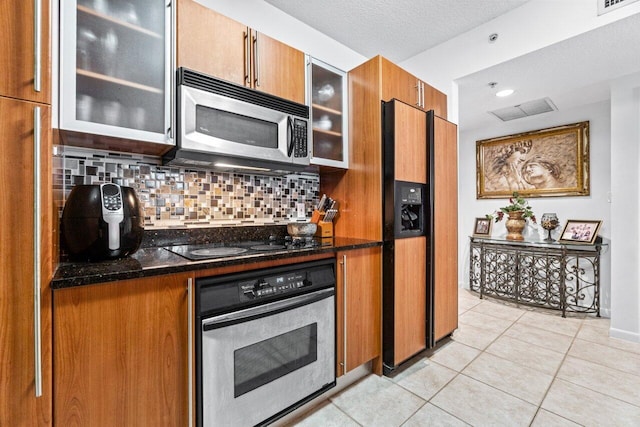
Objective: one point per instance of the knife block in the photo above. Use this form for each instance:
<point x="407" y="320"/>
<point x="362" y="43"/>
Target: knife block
<point x="325" y="229"/>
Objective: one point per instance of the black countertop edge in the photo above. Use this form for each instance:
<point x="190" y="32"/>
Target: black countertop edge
<point x="155" y="261"/>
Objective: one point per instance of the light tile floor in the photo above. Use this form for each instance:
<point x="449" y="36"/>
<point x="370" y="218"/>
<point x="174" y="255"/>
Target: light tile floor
<point x="504" y="366"/>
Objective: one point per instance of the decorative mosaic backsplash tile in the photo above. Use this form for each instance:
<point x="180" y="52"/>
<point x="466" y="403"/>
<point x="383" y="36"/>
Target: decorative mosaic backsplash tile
<point x="179" y="197"/>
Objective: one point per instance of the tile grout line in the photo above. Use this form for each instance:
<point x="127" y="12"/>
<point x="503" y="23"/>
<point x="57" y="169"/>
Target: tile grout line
<point x="458" y="373"/>
<point x="555" y="376"/>
<point x="595" y="363"/>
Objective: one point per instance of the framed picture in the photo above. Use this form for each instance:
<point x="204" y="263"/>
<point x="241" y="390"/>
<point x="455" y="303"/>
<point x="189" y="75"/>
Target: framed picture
<point x="580" y="231"/>
<point x="482" y="227"/>
<point x="546" y="162"/>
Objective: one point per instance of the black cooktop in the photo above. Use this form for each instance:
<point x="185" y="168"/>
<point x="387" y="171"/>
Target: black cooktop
<point x="238" y="249"/>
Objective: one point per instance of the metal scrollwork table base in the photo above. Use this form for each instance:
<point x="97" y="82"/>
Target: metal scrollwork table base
<point x="552" y="275"/>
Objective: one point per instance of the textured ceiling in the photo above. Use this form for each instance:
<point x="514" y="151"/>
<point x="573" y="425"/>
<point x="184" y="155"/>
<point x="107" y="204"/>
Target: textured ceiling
<point x="396" y="29"/>
<point x="574" y="72"/>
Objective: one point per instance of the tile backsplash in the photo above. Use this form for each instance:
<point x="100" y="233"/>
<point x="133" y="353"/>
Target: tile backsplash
<point x="179" y="197"/>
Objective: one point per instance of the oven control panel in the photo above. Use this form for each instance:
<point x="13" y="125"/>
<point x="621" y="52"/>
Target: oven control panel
<point x="273" y="285"/>
<point x="219" y="294"/>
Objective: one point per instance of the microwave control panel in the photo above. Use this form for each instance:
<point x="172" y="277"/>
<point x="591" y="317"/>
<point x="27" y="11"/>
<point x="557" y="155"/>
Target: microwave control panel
<point x="300" y="148"/>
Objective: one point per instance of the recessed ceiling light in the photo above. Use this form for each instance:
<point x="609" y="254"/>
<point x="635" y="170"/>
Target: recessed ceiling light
<point x="504" y="93"/>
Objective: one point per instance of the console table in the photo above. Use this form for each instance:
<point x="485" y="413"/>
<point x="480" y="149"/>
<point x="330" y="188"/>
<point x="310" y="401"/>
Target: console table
<point x="559" y="276"/>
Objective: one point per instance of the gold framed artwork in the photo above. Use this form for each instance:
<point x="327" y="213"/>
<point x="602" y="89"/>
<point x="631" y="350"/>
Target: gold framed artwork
<point x="580" y="231"/>
<point x="482" y="227"/>
<point x="545" y="162"/>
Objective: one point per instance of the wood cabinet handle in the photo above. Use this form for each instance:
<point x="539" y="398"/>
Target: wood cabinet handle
<point x="344" y="313"/>
<point x="37" y="45"/>
<point x="37" y="141"/>
<point x="190" y="343"/>
<point x="247" y="58"/>
<point x="256" y="60"/>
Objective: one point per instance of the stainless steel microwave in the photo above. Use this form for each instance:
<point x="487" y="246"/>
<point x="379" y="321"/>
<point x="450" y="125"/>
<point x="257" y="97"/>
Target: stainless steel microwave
<point x="224" y="126"/>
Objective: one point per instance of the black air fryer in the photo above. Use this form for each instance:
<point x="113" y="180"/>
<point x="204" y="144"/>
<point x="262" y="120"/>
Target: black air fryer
<point x="102" y="222"/>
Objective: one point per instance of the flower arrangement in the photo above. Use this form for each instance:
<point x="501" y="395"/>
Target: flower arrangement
<point x="516" y="203"/>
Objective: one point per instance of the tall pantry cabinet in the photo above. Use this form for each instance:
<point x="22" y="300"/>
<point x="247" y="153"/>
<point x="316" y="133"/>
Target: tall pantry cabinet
<point x="361" y="186"/>
<point x="26" y="218"/>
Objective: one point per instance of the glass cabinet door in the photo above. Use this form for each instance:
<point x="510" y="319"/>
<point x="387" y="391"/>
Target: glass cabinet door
<point x="328" y="95"/>
<point x="115" y="75"/>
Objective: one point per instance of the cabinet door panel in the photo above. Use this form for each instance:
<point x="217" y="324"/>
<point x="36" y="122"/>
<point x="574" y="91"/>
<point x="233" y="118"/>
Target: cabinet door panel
<point x="445" y="217"/>
<point x="363" y="304"/>
<point x="121" y="353"/>
<point x="410" y="129"/>
<point x="435" y="100"/>
<point x="398" y="84"/>
<point x="17" y="51"/>
<point x="211" y="43"/>
<point x="19" y="405"/>
<point x="278" y="68"/>
<point x="410" y="297"/>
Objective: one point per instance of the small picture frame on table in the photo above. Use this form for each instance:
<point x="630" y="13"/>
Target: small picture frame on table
<point x="482" y="227"/>
<point x="580" y="231"/>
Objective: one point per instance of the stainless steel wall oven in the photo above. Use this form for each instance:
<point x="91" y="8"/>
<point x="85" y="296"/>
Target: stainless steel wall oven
<point x="266" y="342"/>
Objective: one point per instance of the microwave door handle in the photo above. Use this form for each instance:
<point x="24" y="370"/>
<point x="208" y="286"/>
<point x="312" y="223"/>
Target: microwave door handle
<point x="289" y="136"/>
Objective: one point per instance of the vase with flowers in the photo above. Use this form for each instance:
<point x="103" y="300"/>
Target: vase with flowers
<point x="518" y="212"/>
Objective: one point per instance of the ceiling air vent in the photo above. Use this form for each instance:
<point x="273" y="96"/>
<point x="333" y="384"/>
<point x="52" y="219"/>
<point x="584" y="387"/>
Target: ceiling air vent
<point x="525" y="109"/>
<point x="605" y="6"/>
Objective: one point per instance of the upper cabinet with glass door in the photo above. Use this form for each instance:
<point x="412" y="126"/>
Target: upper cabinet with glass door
<point x="328" y="95"/>
<point x="115" y="77"/>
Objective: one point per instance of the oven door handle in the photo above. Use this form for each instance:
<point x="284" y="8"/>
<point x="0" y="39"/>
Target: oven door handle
<point x="270" y="309"/>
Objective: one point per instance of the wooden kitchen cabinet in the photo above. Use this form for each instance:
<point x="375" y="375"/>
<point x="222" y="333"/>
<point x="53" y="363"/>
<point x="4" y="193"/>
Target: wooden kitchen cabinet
<point x="116" y="75"/>
<point x="22" y="47"/>
<point x="121" y="353"/>
<point x="402" y="85"/>
<point x="358" y="307"/>
<point x="329" y="114"/>
<point x="399" y="84"/>
<point x="20" y="141"/>
<point x="360" y="188"/>
<point x="26" y="215"/>
<point x="213" y="44"/>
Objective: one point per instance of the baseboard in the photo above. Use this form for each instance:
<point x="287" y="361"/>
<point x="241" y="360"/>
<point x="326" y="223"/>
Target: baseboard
<point x="624" y="335"/>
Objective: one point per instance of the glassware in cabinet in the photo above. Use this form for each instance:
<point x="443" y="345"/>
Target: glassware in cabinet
<point x="115" y="69"/>
<point x="329" y="121"/>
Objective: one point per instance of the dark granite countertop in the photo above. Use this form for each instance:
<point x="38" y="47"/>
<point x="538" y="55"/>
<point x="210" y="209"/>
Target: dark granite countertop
<point x="153" y="261"/>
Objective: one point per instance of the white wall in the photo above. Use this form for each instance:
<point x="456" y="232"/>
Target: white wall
<point x="532" y="26"/>
<point x="625" y="208"/>
<point x="595" y="206"/>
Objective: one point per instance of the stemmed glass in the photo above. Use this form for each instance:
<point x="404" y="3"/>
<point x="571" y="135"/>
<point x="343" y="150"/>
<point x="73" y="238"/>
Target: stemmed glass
<point x="549" y="221"/>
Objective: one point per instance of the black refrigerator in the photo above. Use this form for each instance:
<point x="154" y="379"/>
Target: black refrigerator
<point x="418" y="183"/>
